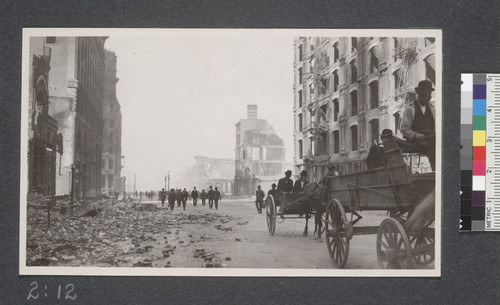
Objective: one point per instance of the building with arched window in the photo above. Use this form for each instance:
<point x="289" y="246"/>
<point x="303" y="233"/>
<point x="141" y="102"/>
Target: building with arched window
<point x="44" y="143"/>
<point x="76" y="103"/>
<point x="364" y="90"/>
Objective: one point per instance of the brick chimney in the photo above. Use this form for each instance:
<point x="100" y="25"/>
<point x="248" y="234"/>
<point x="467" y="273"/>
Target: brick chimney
<point x="252" y="112"/>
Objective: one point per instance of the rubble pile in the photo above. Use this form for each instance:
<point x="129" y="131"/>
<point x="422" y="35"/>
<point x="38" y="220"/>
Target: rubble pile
<point x="210" y="259"/>
<point x="101" y="233"/>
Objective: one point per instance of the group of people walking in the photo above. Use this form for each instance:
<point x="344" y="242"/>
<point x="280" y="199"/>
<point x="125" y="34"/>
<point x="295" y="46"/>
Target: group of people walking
<point x="182" y="196"/>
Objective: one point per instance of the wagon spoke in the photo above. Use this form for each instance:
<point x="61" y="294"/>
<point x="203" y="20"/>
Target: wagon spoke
<point x="383" y="244"/>
<point x="400" y="243"/>
<point x="387" y="238"/>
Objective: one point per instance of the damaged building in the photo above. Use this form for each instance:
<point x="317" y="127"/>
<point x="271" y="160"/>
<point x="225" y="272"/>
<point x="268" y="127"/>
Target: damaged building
<point x="347" y="90"/>
<point x="215" y="172"/>
<point x="76" y="99"/>
<point x="111" y="180"/>
<point x="44" y="144"/>
<point x="260" y="154"/>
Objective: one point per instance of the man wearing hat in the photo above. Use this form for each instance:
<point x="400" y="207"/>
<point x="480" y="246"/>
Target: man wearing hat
<point x="299" y="185"/>
<point x="285" y="185"/>
<point x="332" y="171"/>
<point x="259" y="199"/>
<point x="418" y="123"/>
<point x="273" y="191"/>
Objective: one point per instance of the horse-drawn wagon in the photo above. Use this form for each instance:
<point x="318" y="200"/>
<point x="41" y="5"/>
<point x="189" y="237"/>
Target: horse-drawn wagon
<point x="403" y="239"/>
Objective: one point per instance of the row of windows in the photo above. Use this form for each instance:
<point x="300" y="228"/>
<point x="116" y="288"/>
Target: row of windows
<point x="335" y="46"/>
<point x="374" y="55"/>
<point x="320" y="145"/>
<point x="373" y="87"/>
<point x="373" y="52"/>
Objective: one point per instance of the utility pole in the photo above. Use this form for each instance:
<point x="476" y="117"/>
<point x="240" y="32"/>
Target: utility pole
<point x="168" y="180"/>
<point x="165" y="181"/>
<point x="124" y="186"/>
<point x="134" y="182"/>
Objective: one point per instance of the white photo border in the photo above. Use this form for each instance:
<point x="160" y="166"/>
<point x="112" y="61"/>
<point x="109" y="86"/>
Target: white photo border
<point x="228" y="272"/>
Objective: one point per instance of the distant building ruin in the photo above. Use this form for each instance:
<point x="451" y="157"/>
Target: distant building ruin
<point x="215" y="172"/>
<point x="260" y="154"/>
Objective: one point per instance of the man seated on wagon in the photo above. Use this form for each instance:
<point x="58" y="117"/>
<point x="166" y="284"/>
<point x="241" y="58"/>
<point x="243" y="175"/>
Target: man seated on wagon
<point x="332" y="171"/>
<point x="285" y="186"/>
<point x="418" y="122"/>
<point x="299" y="185"/>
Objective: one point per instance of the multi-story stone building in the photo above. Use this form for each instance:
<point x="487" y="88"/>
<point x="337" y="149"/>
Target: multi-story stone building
<point x="44" y="142"/>
<point x="112" y="132"/>
<point x="76" y="98"/>
<point x="347" y="90"/>
<point x="260" y="154"/>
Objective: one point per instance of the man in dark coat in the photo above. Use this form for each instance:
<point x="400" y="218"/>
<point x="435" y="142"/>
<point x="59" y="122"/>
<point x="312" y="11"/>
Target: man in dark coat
<point x="285" y="185"/>
<point x="216" y="197"/>
<point x="259" y="199"/>
<point x="418" y="123"/>
<point x="171" y="199"/>
<point x="179" y="196"/>
<point x="203" y="196"/>
<point x="210" y="196"/>
<point x="299" y="185"/>
<point x="185" y="196"/>
<point x="194" y="195"/>
<point x="273" y="191"/>
<point x="163" y="196"/>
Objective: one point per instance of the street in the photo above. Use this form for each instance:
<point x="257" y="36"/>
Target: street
<point x="234" y="236"/>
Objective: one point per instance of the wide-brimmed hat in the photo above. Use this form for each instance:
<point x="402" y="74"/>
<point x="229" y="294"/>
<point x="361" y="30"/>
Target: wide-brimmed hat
<point x="288" y="172"/>
<point x="303" y="173"/>
<point x="424" y="86"/>
<point x="386" y="133"/>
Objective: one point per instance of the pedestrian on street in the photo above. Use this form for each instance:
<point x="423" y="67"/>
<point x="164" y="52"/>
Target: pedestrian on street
<point x="163" y="196"/>
<point x="210" y="196"/>
<point x="259" y="199"/>
<point x="273" y="191"/>
<point x="185" y="196"/>
<point x="171" y="199"/>
<point x="216" y="197"/>
<point x="179" y="196"/>
<point x="203" y="196"/>
<point x="194" y="195"/>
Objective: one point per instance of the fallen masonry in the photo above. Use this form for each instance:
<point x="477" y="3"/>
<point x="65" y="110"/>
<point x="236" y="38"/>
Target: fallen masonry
<point x="101" y="233"/>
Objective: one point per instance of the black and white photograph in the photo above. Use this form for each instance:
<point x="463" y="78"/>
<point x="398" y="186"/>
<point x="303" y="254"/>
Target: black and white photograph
<point x="231" y="152"/>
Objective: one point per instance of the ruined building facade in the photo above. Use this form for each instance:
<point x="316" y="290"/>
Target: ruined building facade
<point x="347" y="90"/>
<point x="260" y="154"/>
<point x="76" y="99"/>
<point x="111" y="180"/>
<point x="215" y="172"/>
<point x="44" y="144"/>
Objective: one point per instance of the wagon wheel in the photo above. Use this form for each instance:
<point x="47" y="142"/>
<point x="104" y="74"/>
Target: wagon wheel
<point x="422" y="245"/>
<point x="393" y="246"/>
<point x="271" y="214"/>
<point x="336" y="233"/>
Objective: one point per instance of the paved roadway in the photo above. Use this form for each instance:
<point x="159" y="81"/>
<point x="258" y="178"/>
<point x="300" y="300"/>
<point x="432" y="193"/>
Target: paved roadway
<point x="238" y="236"/>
